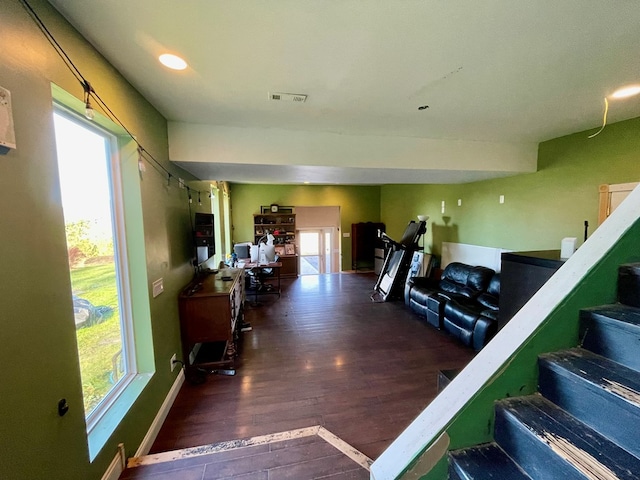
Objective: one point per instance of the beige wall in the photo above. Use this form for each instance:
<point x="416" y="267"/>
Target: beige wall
<point x="357" y="204"/>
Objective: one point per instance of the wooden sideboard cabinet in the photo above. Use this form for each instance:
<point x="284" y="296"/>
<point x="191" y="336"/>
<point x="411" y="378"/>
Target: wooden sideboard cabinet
<point x="211" y="311"/>
<point x="289" y="265"/>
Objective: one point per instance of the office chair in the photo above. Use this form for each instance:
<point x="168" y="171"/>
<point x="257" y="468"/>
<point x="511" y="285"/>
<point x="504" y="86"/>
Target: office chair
<point x="259" y="277"/>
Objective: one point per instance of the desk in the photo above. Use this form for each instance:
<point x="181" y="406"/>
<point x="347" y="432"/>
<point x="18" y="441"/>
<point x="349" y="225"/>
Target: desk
<point x="276" y="266"/>
<point x="211" y="310"/>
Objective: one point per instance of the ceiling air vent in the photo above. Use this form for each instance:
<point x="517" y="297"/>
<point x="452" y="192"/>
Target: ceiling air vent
<point x="287" y="97"/>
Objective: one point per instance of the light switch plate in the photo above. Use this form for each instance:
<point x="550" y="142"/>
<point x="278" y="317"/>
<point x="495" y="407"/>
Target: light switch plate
<point x="158" y="287"/>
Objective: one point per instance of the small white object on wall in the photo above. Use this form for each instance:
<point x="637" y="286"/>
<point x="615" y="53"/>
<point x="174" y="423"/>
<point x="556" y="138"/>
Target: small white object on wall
<point x="567" y="247"/>
<point x="7" y="132"/>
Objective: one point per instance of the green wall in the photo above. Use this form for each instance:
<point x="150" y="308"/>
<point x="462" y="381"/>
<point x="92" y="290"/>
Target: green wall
<point x="357" y="204"/>
<point x="38" y="354"/>
<point x="540" y="209"/>
<point x="474" y="424"/>
<point x="402" y="203"/>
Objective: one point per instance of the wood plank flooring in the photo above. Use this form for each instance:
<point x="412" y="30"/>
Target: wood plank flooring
<point x="304" y="454"/>
<point x="322" y="354"/>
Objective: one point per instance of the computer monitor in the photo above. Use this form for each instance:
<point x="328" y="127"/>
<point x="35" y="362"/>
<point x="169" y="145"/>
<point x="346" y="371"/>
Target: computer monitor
<point x="241" y="250"/>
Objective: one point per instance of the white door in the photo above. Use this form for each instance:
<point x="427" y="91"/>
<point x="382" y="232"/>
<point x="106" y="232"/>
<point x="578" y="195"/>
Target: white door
<point x="611" y="196"/>
<point x="315" y="251"/>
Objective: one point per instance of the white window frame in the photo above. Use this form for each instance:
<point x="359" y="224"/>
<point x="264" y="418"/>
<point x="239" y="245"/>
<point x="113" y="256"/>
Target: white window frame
<point x="132" y="271"/>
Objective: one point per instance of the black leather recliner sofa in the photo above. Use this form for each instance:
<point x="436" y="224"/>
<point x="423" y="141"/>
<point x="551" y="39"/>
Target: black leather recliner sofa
<point x="464" y="302"/>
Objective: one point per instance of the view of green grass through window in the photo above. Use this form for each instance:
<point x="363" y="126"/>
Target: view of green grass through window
<point x="85" y="180"/>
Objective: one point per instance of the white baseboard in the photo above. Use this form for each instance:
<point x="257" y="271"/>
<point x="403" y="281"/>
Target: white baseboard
<point x="152" y="433"/>
<point x="116" y="467"/>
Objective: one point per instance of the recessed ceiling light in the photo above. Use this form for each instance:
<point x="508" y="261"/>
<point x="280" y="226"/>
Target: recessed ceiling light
<point x="627" y="91"/>
<point x="172" y="61"/>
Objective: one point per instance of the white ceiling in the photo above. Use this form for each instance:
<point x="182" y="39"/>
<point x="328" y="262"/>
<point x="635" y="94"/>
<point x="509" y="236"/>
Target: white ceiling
<point x="498" y="71"/>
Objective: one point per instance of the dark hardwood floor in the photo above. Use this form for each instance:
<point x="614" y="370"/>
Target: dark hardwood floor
<point x="322" y="354"/>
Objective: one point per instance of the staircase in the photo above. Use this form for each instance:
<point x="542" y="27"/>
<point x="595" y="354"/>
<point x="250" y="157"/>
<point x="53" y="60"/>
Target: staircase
<point x="585" y="421"/>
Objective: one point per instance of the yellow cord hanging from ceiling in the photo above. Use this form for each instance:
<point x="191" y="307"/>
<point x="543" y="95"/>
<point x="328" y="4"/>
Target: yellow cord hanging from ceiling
<point x="604" y="120"/>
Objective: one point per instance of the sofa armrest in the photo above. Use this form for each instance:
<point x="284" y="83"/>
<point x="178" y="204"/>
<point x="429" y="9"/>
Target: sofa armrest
<point x="483" y="331"/>
<point x="423" y="282"/>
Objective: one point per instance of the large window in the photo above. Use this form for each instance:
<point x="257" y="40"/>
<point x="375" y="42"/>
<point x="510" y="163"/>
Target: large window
<point x="92" y="201"/>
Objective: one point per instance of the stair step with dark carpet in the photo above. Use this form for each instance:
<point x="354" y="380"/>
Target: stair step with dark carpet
<point x="548" y="443"/>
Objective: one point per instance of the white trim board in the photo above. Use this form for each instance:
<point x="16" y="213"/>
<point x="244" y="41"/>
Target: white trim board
<point x="160" y="417"/>
<point x="339" y="444"/>
<point x="489" y="257"/>
<point x="117" y="465"/>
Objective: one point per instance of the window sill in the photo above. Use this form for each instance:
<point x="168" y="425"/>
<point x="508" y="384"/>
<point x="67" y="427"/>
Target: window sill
<point x="107" y="424"/>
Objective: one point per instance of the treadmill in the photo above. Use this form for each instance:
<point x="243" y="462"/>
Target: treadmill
<point x="394" y="271"/>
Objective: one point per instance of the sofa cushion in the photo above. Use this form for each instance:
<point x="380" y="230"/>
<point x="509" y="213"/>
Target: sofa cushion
<point x="456" y="272"/>
<point x="457" y="288"/>
<point x="463" y="316"/>
<point x="491" y="298"/>
<point x="465" y="279"/>
<point x="421" y="295"/>
<point x="488" y="301"/>
<point x="465" y="336"/>
<point x="479" y="278"/>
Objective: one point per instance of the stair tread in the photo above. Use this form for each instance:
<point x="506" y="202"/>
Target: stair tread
<point x="576" y="443"/>
<point x="586" y="385"/>
<point x="486" y="461"/>
<point x="614" y="311"/>
<point x="616" y="379"/>
<point x="612" y="331"/>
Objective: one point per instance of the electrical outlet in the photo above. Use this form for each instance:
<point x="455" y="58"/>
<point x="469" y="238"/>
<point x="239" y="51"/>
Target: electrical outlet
<point x="173" y="362"/>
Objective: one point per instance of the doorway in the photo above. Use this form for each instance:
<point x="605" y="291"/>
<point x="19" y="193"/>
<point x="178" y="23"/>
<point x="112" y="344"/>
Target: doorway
<point x="318" y="239"/>
<point x="315" y="250"/>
